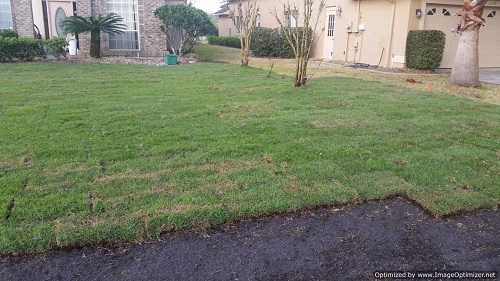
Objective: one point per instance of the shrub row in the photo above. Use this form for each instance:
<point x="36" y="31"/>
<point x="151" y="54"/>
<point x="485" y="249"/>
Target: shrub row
<point x="266" y="42"/>
<point x="271" y="42"/>
<point x="227" y="41"/>
<point x="424" y="48"/>
<point x="8" y="33"/>
<point x="55" y="46"/>
<point x="26" y="49"/>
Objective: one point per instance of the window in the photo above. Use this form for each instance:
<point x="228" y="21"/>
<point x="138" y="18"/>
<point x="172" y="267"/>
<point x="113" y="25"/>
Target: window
<point x="238" y="24"/>
<point x="291" y="18"/>
<point x="127" y="9"/>
<point x="431" y="12"/>
<point x="331" y="25"/>
<point x="5" y="15"/>
<point x="60" y="16"/>
<point x="446" y="13"/>
<point x="492" y="14"/>
<point x="258" y="20"/>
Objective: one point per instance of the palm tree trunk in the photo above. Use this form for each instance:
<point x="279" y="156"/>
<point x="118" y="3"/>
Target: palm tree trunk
<point x="466" y="66"/>
<point x="95" y="44"/>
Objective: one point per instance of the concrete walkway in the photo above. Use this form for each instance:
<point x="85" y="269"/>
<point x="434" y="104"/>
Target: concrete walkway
<point x="489" y="75"/>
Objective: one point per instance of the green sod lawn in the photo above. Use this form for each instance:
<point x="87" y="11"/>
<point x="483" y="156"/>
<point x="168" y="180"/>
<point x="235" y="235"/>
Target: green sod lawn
<point x="99" y="153"/>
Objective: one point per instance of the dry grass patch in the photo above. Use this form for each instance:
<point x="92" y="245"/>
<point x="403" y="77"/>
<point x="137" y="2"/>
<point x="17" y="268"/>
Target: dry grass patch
<point x="127" y="175"/>
<point x="285" y="67"/>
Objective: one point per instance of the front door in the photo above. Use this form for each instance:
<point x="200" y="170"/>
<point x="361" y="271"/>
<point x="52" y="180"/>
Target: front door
<point x="329" y="33"/>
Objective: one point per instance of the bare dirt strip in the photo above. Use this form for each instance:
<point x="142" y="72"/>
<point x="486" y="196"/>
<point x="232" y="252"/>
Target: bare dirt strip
<point x="335" y="243"/>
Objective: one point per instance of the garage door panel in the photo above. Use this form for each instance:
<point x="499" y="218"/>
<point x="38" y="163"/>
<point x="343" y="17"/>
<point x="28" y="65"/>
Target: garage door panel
<point x="489" y="39"/>
<point x="440" y="17"/>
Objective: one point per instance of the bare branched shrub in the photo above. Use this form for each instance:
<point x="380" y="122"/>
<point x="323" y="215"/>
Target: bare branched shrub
<point x="245" y="20"/>
<point x="300" y="38"/>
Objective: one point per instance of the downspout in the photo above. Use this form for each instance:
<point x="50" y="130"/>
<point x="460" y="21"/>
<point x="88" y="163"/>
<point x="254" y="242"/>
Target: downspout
<point x="351" y="32"/>
<point x="346" y="58"/>
<point x="359" y="13"/>
<point x="389" y="43"/>
<point x="359" y="45"/>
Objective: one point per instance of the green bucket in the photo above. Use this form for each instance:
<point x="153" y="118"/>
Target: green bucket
<point x="170" y="59"/>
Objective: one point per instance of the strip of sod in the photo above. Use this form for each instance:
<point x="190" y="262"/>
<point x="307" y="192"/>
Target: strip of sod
<point x="100" y="153"/>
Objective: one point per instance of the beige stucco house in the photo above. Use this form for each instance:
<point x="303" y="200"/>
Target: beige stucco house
<point x="142" y="36"/>
<point x="375" y="31"/>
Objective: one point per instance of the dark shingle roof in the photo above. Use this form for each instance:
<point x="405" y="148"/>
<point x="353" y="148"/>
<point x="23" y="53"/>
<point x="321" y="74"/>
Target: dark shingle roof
<point x="222" y="11"/>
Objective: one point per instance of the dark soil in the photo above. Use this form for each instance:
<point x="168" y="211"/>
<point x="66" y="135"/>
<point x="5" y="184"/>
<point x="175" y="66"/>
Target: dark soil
<point x="349" y="243"/>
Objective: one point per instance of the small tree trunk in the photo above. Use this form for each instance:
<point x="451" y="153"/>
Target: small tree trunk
<point x="247" y="20"/>
<point x="245" y="54"/>
<point x="299" y="38"/>
<point x="466" y="66"/>
<point x="95" y="44"/>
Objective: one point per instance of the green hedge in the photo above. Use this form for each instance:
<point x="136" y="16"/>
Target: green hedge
<point x="8" y="33"/>
<point x="271" y="42"/>
<point x="425" y="48"/>
<point x="56" y="47"/>
<point x="266" y="42"/>
<point x="227" y="41"/>
<point x="26" y="49"/>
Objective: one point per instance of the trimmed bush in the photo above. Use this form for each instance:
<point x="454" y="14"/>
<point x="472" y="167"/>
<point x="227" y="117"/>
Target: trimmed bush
<point x="271" y="42"/>
<point x="425" y="48"/>
<point x="227" y="41"/>
<point x="8" y="33"/>
<point x="23" y="49"/>
<point x="56" y="46"/>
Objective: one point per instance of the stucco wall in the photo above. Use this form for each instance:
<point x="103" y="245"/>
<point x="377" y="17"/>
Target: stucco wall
<point x="226" y="26"/>
<point x="384" y="38"/>
<point x="267" y="8"/>
<point x="52" y="6"/>
<point x="387" y="23"/>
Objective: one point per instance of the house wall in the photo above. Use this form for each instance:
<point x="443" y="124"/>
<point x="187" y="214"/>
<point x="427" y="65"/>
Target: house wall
<point x="152" y="41"/>
<point x="38" y="16"/>
<point x="404" y="18"/>
<point x="226" y="26"/>
<point x="489" y="37"/>
<point x="22" y="17"/>
<point x="267" y="19"/>
<point x="52" y="7"/>
<point x="387" y="23"/>
<point x="383" y="42"/>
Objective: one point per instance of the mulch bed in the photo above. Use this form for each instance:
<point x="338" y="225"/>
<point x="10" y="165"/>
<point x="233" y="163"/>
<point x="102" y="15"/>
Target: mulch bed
<point x="190" y="58"/>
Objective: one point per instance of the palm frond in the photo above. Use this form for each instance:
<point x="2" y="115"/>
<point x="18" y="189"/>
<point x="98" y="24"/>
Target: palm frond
<point x="110" y="23"/>
<point x="76" y="24"/>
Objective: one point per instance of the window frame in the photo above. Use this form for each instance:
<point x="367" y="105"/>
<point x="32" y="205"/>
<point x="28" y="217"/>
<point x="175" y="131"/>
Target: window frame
<point x="135" y="21"/>
<point x="8" y="12"/>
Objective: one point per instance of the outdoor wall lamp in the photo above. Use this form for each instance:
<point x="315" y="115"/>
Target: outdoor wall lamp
<point x="339" y="11"/>
<point x="418" y="13"/>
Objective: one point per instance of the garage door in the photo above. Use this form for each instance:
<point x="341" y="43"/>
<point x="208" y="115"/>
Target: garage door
<point x="440" y="17"/>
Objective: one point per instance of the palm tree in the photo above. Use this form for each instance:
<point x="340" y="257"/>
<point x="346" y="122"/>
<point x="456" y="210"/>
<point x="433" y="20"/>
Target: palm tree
<point x="465" y="70"/>
<point x="110" y="23"/>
